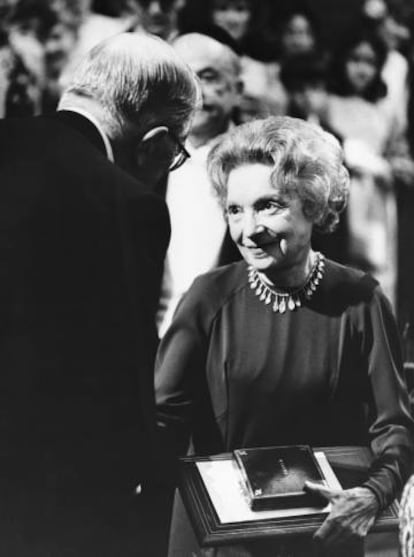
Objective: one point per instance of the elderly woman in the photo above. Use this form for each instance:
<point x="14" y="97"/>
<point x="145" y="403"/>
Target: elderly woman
<point x="286" y="347"/>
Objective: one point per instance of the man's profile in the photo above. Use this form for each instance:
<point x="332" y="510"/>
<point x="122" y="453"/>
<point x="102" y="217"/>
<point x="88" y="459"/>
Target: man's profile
<point x="82" y="245"/>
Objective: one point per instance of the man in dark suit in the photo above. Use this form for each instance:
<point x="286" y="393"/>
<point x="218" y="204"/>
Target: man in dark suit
<point x="82" y="245"/>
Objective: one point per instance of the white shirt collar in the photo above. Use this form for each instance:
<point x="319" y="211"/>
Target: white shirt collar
<point x="94" y="121"/>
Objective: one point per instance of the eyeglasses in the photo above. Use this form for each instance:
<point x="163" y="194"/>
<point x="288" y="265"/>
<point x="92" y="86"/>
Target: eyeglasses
<point x="180" y="155"/>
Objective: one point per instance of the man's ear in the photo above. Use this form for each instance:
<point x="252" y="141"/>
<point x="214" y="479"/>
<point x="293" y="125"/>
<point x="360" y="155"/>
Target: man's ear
<point x="151" y="142"/>
<point x="155" y="134"/>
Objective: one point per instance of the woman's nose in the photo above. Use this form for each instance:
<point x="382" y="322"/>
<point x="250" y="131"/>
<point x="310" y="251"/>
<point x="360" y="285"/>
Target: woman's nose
<point x="251" y="227"/>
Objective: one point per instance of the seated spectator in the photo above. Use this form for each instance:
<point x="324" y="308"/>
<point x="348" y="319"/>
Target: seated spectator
<point x="198" y="229"/>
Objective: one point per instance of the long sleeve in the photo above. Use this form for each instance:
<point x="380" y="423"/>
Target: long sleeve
<point x="179" y="368"/>
<point x="391" y="431"/>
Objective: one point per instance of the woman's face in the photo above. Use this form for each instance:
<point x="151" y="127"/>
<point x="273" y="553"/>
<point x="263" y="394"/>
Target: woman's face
<point x="361" y="67"/>
<point x="267" y="225"/>
<point x="233" y="16"/>
<point x="58" y="45"/>
<point x="297" y="36"/>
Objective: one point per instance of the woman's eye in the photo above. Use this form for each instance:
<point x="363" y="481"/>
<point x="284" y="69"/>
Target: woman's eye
<point x="269" y="206"/>
<point x="233" y="210"/>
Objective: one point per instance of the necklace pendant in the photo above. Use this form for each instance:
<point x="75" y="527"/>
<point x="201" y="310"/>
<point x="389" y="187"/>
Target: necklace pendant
<point x="291" y="304"/>
<point x="280" y="302"/>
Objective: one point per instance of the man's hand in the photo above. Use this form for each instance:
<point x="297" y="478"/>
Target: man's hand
<point x="352" y="514"/>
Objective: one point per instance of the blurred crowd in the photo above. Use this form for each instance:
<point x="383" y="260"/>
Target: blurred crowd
<point x="359" y="87"/>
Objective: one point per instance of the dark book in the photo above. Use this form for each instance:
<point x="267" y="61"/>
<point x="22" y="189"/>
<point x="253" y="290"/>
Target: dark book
<point x="274" y="477"/>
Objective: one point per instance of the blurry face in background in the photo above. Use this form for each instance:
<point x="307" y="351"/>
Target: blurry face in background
<point x="5" y="8"/>
<point x="219" y="88"/>
<point x="361" y="67"/>
<point x="58" y="45"/>
<point x="233" y="16"/>
<point x="297" y="36"/>
<point x="310" y="100"/>
<point x="160" y="16"/>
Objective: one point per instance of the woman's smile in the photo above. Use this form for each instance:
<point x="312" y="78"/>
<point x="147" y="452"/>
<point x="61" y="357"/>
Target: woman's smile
<point x="267" y="224"/>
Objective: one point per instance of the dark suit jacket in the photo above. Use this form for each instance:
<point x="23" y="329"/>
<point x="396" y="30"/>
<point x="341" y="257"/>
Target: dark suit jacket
<point x="82" y="248"/>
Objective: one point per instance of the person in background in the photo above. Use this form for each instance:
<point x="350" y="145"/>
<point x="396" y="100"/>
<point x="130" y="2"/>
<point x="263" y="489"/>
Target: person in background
<point x="286" y="347"/>
<point x="25" y="25"/>
<point x="297" y="34"/>
<point x="245" y="21"/>
<point x="92" y="28"/>
<point x="376" y="152"/>
<point x="297" y="31"/>
<point x="159" y="17"/>
<point x="388" y="22"/>
<point x="247" y="24"/>
<point x="199" y="241"/>
<point x="59" y="42"/>
<point x="305" y="78"/>
<point x="82" y="245"/>
<point x="405" y="216"/>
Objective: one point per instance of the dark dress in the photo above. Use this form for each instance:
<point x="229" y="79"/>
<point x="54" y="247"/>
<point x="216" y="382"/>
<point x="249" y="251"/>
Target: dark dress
<point x="232" y="373"/>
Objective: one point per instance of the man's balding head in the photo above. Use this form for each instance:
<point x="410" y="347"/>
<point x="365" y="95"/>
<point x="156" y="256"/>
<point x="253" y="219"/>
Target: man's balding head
<point x="138" y="80"/>
<point x="194" y="45"/>
<point x="143" y="96"/>
<point x="218" y="69"/>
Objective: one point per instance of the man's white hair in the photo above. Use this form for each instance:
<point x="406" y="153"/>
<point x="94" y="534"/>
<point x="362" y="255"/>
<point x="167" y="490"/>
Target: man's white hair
<point x="138" y="79"/>
<point x="228" y="58"/>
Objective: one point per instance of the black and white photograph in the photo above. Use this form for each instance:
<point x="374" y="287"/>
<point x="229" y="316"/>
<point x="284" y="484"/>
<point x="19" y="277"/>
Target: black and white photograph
<point x="206" y="278"/>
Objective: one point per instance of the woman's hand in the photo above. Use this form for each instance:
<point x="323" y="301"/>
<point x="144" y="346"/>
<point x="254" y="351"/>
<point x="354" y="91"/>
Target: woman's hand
<point x="352" y="514"/>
